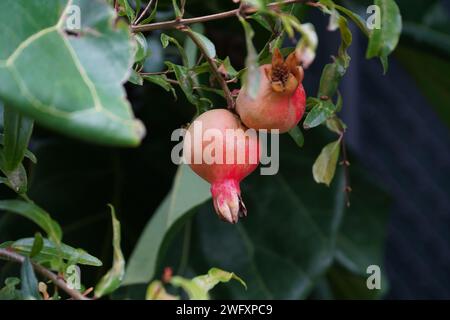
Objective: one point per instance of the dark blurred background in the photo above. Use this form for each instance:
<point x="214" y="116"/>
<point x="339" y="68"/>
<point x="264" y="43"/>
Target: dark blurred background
<point x="398" y="129"/>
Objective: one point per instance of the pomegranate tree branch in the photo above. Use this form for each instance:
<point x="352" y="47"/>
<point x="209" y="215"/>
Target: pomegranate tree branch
<point x="212" y="64"/>
<point x="60" y="283"/>
<point x="222" y="15"/>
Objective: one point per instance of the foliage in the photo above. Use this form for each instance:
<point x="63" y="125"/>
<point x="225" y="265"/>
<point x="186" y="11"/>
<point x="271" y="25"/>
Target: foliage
<point x="72" y="80"/>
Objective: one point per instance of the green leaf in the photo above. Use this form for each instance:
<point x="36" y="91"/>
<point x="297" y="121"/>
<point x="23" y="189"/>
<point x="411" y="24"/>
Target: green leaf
<point x="129" y="11"/>
<point x="29" y="288"/>
<point x="187" y="193"/>
<point x="185" y="81"/>
<point x="156" y="291"/>
<point x="50" y="251"/>
<point x="297" y="135"/>
<point x="228" y="68"/>
<point x="141" y="47"/>
<point x="16" y="135"/>
<point x="165" y="40"/>
<point x="325" y="165"/>
<point x="321" y="111"/>
<point x="331" y="77"/>
<point x="36" y="214"/>
<point x="152" y="15"/>
<point x="252" y="74"/>
<point x="198" y="287"/>
<point x="384" y="40"/>
<point x="136" y="78"/>
<point x="336" y="125"/>
<point x="38" y="244"/>
<point x="16" y="179"/>
<point x="9" y="291"/>
<point x="209" y="47"/>
<point x="176" y="9"/>
<point x="112" y="280"/>
<point x="360" y="22"/>
<point x="82" y="95"/>
<point x="161" y="80"/>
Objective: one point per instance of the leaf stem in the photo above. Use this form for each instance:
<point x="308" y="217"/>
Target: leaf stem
<point x="58" y="281"/>
<point x="214" y="69"/>
<point x="172" y="24"/>
<point x="346" y="164"/>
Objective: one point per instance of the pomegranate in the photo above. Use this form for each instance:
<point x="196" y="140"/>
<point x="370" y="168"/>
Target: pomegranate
<point x="221" y="150"/>
<point x="281" y="99"/>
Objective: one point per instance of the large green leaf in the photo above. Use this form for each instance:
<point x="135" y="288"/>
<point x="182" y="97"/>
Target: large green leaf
<point x="66" y="78"/>
<point x="188" y="192"/>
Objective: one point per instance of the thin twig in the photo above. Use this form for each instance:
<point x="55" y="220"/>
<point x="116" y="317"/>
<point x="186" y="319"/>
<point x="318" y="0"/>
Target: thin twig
<point x="345" y="163"/>
<point x="222" y="15"/>
<point x="143" y="12"/>
<point x="212" y="63"/>
<point x="12" y="256"/>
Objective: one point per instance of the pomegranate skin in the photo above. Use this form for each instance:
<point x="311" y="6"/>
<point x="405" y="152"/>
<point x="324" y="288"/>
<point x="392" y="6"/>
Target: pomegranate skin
<point x="223" y="176"/>
<point x="281" y="99"/>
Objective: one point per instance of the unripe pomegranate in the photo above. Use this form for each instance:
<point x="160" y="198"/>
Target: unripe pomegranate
<point x="281" y="99"/>
<point x="221" y="150"/>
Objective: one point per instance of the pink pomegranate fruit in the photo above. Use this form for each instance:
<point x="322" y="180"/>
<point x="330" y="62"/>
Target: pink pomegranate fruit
<point x="221" y="150"/>
<point x="281" y="99"/>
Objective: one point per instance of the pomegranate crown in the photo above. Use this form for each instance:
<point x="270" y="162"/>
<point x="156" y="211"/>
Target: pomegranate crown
<point x="284" y="75"/>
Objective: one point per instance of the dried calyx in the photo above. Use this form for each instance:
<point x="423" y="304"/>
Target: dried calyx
<point x="285" y="76"/>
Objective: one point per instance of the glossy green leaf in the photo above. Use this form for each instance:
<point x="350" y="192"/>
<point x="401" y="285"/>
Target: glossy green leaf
<point x="36" y="214"/>
<point x="198" y="288"/>
<point x="113" y="279"/>
<point x="16" y="135"/>
<point x="297" y="135"/>
<point x="29" y="284"/>
<point x="325" y="165"/>
<point x="252" y="74"/>
<point x="384" y="40"/>
<point x="82" y="95"/>
<point x="209" y="47"/>
<point x="321" y="111"/>
<point x="187" y="193"/>
<point x="51" y="251"/>
<point x="38" y="244"/>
